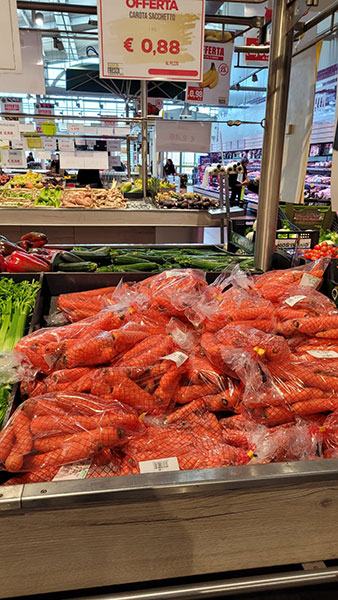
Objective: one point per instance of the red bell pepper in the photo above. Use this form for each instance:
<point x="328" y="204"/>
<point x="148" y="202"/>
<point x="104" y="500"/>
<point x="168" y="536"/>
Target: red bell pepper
<point x="21" y="262"/>
<point x="36" y="238"/>
<point x="3" y="266"/>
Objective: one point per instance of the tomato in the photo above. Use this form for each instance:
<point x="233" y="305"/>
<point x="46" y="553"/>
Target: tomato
<point x="324" y="244"/>
<point x="317" y="247"/>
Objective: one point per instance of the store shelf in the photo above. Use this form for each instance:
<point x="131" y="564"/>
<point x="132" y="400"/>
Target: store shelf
<point x="166" y="525"/>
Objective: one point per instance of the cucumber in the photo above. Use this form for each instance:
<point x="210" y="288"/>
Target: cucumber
<point x="83" y="267"/>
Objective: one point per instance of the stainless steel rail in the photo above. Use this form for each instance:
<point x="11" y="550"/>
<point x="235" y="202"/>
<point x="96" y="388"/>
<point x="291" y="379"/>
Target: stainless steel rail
<point x="258" y="583"/>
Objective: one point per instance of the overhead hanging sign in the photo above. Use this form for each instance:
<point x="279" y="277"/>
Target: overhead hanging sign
<point x="10" y="50"/>
<point x="151" y="39"/>
<point x="32" y="78"/>
<point x="11" y="105"/>
<point x="84" y="160"/>
<point x="213" y="90"/>
<point x="44" y="109"/>
<point x="254" y="59"/>
<point x="114" y="161"/>
<point x="182" y="136"/>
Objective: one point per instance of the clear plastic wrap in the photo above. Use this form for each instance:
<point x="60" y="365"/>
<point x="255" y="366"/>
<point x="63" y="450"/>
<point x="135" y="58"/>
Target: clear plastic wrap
<point x="273" y="284"/>
<point x="238" y="305"/>
<point x="81" y="305"/>
<point x="58" y="429"/>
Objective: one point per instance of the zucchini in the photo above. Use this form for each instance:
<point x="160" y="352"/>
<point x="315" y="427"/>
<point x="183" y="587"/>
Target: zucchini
<point x="83" y="267"/>
<point x="142" y="267"/>
<point x="128" y="259"/>
<point x="69" y="257"/>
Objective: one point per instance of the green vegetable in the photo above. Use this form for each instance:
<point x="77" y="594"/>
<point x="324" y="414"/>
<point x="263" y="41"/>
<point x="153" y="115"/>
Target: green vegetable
<point x="128" y="259"/>
<point x="69" y="257"/>
<point x="144" y="266"/>
<point x="49" y="197"/>
<point x="5" y="390"/>
<point x="99" y="255"/>
<point x="83" y="266"/>
<point x="17" y="301"/>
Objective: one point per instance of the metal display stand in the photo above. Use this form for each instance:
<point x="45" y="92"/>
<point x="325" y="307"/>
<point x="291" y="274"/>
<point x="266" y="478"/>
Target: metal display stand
<point x="129" y="531"/>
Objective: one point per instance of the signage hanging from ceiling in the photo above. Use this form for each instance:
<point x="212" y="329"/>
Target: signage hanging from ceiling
<point x="10" y="49"/>
<point x="151" y="39"/>
<point x="213" y="90"/>
<point x="11" y="105"/>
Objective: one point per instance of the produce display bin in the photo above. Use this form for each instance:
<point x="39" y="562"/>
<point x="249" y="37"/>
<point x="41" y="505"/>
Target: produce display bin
<point x="132" y="531"/>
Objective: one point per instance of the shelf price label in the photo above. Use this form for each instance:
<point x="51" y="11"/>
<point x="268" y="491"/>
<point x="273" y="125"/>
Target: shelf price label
<point x="151" y="39"/>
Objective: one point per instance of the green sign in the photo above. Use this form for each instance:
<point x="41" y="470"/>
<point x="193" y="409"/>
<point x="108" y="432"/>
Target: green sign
<point x="48" y="128"/>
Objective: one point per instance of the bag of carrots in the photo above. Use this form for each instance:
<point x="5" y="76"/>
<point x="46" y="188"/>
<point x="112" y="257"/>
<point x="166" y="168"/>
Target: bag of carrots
<point x="237" y="305"/>
<point x="57" y="429"/>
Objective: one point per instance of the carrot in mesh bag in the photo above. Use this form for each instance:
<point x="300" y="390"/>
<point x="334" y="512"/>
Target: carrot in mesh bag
<point x="42" y="434"/>
<point x="273" y="284"/>
<point x="174" y="291"/>
<point x="43" y="348"/>
<point x="79" y="305"/>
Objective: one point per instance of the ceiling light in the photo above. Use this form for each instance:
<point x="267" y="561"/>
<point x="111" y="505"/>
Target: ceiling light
<point x="254" y="78"/>
<point x="38" y="19"/>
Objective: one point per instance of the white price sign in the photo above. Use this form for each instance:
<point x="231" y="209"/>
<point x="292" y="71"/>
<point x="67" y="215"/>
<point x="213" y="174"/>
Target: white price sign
<point x="13" y="158"/>
<point x="66" y="145"/>
<point x="49" y="144"/>
<point x="214" y="88"/>
<point x="114" y="161"/>
<point x="151" y="39"/>
<point x="9" y="130"/>
<point x="113" y="145"/>
<point x="182" y="136"/>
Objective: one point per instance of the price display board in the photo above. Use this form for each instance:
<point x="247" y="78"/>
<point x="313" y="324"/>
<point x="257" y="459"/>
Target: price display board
<point x="213" y="90"/>
<point x="151" y="39"/>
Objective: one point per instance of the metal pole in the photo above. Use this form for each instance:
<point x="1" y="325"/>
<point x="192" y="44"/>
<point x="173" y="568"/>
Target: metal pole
<point x="144" y="108"/>
<point x="221" y="205"/>
<point x="128" y="145"/>
<point x="273" y="144"/>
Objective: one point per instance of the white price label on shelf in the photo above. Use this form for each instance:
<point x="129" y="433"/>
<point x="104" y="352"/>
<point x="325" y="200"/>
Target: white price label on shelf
<point x="159" y="465"/>
<point x="151" y="39"/>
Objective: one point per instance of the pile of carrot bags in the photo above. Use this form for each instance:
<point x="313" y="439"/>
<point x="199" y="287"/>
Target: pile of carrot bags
<point x="243" y="370"/>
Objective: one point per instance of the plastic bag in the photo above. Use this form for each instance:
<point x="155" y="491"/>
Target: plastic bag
<point x="273" y="284"/>
<point x="54" y="430"/>
<point x="81" y="305"/>
<point x="238" y="305"/>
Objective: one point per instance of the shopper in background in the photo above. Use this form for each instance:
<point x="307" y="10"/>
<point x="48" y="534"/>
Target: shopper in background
<point x="30" y="158"/>
<point x="237" y="182"/>
<point x="169" y="168"/>
<point x="55" y="164"/>
<point x="89" y="177"/>
<point x="253" y="185"/>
